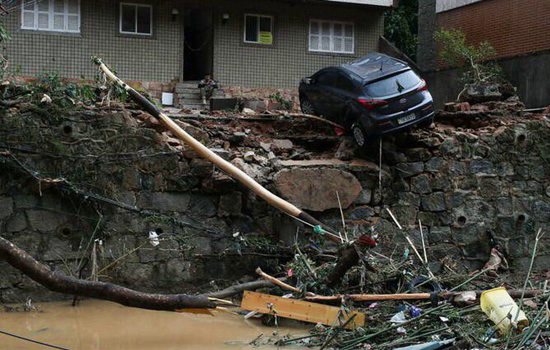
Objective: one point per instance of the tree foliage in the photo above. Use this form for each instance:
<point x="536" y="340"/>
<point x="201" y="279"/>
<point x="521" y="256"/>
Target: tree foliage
<point x="401" y="27"/>
<point x="455" y="51"/>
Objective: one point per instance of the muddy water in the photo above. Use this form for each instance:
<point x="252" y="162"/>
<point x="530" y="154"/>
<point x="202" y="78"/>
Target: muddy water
<point x="98" y="325"/>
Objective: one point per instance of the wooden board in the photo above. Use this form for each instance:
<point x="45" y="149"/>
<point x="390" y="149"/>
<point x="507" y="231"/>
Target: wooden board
<point x="299" y="310"/>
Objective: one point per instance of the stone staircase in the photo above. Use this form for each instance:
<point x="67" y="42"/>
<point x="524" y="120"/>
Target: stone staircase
<point x="188" y="95"/>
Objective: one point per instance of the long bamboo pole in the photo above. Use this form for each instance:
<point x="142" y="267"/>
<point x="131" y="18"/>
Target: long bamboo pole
<point x="206" y="153"/>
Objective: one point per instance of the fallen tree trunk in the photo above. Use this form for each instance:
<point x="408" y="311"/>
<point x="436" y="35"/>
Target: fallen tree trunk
<point x="235" y="289"/>
<point x="61" y="283"/>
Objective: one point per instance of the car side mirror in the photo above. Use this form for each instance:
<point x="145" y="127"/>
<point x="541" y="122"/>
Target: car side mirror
<point x="308" y="81"/>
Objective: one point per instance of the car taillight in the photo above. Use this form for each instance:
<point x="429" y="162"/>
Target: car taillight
<point x="371" y="104"/>
<point x="423" y="86"/>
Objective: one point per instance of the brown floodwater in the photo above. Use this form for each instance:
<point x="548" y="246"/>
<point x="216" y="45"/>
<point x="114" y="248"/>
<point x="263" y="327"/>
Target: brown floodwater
<point x="99" y="325"/>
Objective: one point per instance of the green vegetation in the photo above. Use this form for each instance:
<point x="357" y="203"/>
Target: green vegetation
<point x="401" y="27"/>
<point x="455" y="51"/>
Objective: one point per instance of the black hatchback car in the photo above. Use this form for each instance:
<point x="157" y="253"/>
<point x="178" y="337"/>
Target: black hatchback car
<point x="371" y="96"/>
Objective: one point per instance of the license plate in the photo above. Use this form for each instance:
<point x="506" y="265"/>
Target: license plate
<point x="406" y="118"/>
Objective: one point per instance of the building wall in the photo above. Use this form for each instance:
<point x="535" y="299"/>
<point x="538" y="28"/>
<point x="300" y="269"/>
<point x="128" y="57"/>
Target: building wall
<point x="284" y="64"/>
<point x="157" y="58"/>
<point x="513" y="27"/>
<point x="160" y="58"/>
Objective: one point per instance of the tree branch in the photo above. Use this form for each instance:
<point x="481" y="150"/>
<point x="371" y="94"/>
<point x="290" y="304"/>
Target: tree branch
<point x="60" y="283"/>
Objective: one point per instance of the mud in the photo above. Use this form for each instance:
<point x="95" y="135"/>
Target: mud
<point x="98" y="325"/>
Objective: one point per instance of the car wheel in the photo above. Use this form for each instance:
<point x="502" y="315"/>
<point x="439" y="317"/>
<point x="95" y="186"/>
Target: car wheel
<point x="359" y="135"/>
<point x="307" y="107"/>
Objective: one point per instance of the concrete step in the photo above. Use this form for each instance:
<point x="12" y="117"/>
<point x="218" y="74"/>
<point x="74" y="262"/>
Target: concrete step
<point x="187" y="90"/>
<point x="188" y="95"/>
<point x="195" y="106"/>
<point x="190" y="100"/>
<point x="188" y="84"/>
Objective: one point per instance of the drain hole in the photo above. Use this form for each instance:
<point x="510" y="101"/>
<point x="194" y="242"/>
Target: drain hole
<point x="521" y="138"/>
<point x="521" y="218"/>
<point x="461" y="220"/>
<point x="66" y="231"/>
<point x="67" y="129"/>
<point x="159" y="231"/>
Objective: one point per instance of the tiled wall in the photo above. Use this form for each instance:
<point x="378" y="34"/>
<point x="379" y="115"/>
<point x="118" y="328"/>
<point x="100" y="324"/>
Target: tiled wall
<point x="284" y="64"/>
<point x="160" y="58"/>
<point x="157" y="58"/>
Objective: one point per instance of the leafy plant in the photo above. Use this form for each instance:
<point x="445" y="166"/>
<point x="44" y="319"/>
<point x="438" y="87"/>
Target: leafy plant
<point x="401" y="27"/>
<point x="286" y="104"/>
<point x="455" y="51"/>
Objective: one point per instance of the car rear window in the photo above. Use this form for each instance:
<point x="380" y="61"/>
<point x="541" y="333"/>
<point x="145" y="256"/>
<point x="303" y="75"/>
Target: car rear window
<point x="393" y="84"/>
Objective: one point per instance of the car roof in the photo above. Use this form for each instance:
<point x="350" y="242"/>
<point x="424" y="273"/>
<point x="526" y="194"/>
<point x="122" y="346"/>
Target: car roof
<point x="374" y="66"/>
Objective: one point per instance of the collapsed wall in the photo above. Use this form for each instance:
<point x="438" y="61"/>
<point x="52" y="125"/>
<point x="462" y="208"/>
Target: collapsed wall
<point x="111" y="176"/>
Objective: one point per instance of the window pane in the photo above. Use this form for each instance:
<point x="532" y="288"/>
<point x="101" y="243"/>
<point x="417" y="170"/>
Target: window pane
<point x="337" y="44"/>
<point x="144" y="20"/>
<point x="58" y="22"/>
<point x="348" y="45"/>
<point x="338" y="29"/>
<point x="325" y="28"/>
<point x="43" y="21"/>
<point x="73" y="6"/>
<point x="128" y="18"/>
<point x="314" y="42"/>
<point x="349" y="30"/>
<point x="394" y="84"/>
<point x="59" y="5"/>
<point x="43" y="6"/>
<point x="28" y="19"/>
<point x="314" y="28"/>
<point x="325" y="43"/>
<point x="251" y="28"/>
<point x="73" y="23"/>
<point x="265" y="24"/>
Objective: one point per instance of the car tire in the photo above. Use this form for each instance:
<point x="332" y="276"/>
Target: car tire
<point x="307" y="107"/>
<point x="359" y="135"/>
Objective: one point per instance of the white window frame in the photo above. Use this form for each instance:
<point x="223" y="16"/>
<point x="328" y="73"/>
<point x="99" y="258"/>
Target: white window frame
<point x="51" y="14"/>
<point x="136" y="19"/>
<point x="320" y="23"/>
<point x="258" y="16"/>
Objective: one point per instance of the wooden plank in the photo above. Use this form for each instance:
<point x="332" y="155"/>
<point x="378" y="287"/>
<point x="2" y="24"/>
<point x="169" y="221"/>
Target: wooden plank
<point x="299" y="310"/>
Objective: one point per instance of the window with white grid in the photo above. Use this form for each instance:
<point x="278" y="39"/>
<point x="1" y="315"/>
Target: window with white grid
<point x="331" y="36"/>
<point x="51" y="15"/>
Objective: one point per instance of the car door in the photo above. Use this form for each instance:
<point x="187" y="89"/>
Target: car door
<point x="344" y="92"/>
<point x="320" y="94"/>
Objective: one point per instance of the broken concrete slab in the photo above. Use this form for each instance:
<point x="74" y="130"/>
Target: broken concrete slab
<point x="315" y="189"/>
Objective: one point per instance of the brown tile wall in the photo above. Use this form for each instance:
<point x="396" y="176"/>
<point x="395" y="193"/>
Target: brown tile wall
<point x="513" y="27"/>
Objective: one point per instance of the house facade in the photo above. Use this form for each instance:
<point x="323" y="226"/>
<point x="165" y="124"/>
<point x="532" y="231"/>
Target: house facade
<point x="517" y="29"/>
<point x="248" y="43"/>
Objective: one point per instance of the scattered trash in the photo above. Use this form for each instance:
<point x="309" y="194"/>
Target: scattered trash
<point x="398" y="318"/>
<point x="428" y="346"/>
<point x="153" y="238"/>
<point x="499" y="306"/>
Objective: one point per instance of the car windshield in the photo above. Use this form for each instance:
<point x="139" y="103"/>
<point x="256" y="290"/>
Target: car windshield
<point x="395" y="84"/>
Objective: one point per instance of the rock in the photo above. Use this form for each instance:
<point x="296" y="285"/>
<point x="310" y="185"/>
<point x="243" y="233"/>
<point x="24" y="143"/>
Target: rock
<point x="315" y="189"/>
<point x="346" y="149"/>
<point x="434" y="202"/>
<point x="481" y="166"/>
<point x="265" y="146"/>
<point x="440" y="234"/>
<point x="201" y="167"/>
<point x="258" y="106"/>
<point x="201" y="205"/>
<point x="482" y="93"/>
<point x="6" y="207"/>
<point x="45" y="221"/>
<point x="249" y="156"/>
<point x="257" y="172"/>
<point x="282" y="144"/>
<point x="405" y="170"/>
<point x="225" y="154"/>
<point x="364" y="197"/>
<point x="362" y="213"/>
<point x="248" y="111"/>
<point x="165" y="201"/>
<point x="17" y="223"/>
<point x="457" y="107"/>
<point x="435" y="164"/>
<point x="230" y="204"/>
<point x="421" y="184"/>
